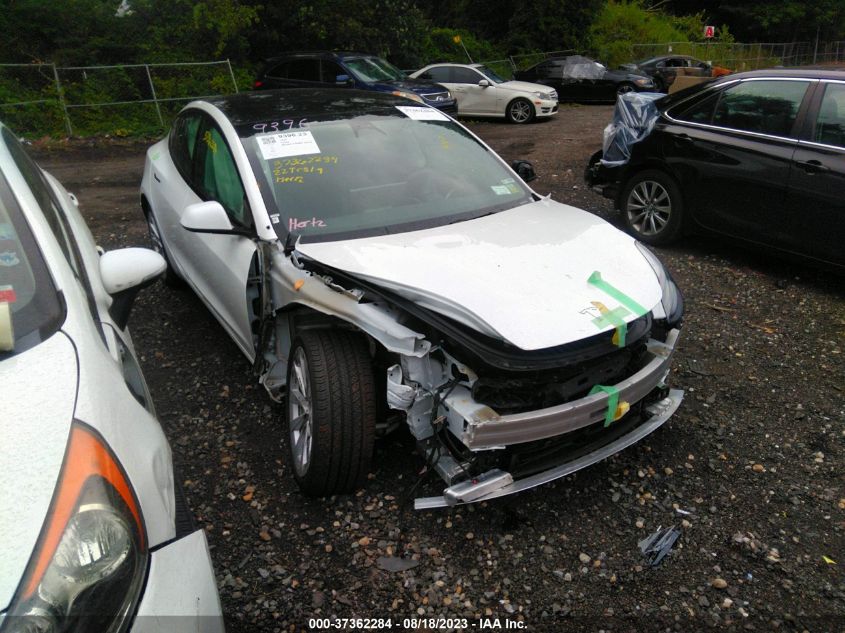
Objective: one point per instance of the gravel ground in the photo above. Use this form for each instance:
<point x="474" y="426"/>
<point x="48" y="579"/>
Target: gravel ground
<point x="754" y="455"/>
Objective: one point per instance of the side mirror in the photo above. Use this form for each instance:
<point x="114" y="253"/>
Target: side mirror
<point x="343" y="80"/>
<point x="124" y="272"/>
<point x="524" y="169"/>
<point x="206" y="217"/>
<point x="484" y="83"/>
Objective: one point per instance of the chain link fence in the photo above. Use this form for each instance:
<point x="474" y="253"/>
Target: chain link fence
<point x="120" y="100"/>
<point x="735" y="56"/>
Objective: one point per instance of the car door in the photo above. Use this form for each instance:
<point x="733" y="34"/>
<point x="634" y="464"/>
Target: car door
<point x="733" y="149"/>
<point x="170" y="185"/>
<point x="816" y="196"/>
<point x="218" y="265"/>
<point x="472" y="98"/>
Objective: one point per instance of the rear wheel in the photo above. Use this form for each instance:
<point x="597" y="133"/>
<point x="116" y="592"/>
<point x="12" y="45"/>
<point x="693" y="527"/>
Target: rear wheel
<point x="652" y="207"/>
<point x="171" y="277"/>
<point x="520" y="111"/>
<point x="331" y="408"/>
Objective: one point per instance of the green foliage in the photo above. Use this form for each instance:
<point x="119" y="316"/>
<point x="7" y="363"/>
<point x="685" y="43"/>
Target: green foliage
<point x="623" y="23"/>
<point x="440" y="46"/>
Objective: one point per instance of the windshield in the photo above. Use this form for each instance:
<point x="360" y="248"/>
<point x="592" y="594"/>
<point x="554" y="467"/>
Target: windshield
<point x="490" y="74"/>
<point x="27" y="294"/>
<point x="370" y="69"/>
<point x="395" y="169"/>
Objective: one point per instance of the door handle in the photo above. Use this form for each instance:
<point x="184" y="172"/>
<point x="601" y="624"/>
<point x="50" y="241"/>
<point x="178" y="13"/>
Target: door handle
<point x="813" y="166"/>
<point x="685" y="139"/>
<point x="157" y="179"/>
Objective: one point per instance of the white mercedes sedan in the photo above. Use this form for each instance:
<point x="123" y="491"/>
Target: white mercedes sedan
<point x="379" y="266"/>
<point x="94" y="535"/>
<point x="480" y="91"/>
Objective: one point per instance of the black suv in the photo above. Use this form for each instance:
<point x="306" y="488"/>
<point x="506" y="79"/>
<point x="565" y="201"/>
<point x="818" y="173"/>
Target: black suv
<point x="352" y="70"/>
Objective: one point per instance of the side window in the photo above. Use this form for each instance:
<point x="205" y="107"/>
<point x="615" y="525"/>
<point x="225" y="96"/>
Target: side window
<point x="699" y="112"/>
<point x="55" y="216"/>
<point x="767" y="107"/>
<point x="465" y="76"/>
<point x="331" y="70"/>
<point x="830" y="121"/>
<point x="183" y="141"/>
<point x="438" y="73"/>
<point x="303" y="69"/>
<point x="217" y="175"/>
<point x="279" y="71"/>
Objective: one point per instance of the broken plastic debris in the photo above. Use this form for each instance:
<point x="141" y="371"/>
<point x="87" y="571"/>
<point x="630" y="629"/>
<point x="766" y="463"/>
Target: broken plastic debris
<point x="396" y="564"/>
<point x="655" y="546"/>
<point x="828" y="560"/>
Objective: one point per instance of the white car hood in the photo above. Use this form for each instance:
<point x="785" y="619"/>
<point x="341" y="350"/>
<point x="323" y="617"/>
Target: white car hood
<point x="37" y="397"/>
<point x="520" y="275"/>
<point x="525" y="86"/>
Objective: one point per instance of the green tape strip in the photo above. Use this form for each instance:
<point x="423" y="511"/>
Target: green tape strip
<point x="596" y="280"/>
<point x="615" y="318"/>
<point x="612" y="401"/>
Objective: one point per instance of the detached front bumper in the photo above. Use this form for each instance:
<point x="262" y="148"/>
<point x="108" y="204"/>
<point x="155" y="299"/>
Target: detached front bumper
<point x="486" y="430"/>
<point x="181" y="592"/>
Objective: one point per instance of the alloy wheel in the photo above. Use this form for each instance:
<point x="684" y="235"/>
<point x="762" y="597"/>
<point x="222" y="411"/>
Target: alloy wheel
<point x="649" y="207"/>
<point x="155" y="235"/>
<point x="520" y="111"/>
<point x="299" y="413"/>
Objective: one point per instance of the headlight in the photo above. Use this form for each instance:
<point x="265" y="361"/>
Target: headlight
<point x="448" y="95"/>
<point x="645" y="81"/>
<point x="89" y="564"/>
<point x="408" y="95"/>
<point x="671" y="299"/>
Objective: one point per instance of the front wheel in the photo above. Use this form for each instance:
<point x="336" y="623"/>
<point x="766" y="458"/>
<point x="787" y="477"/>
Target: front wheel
<point x="331" y="407"/>
<point x="171" y="277"/>
<point x="652" y="207"/>
<point x="520" y="111"/>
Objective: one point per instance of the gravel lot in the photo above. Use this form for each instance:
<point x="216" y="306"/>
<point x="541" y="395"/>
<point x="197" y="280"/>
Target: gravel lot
<point x="754" y="454"/>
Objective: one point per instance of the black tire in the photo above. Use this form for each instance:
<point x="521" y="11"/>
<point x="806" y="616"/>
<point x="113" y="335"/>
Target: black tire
<point x="171" y="277"/>
<point x="520" y="111"/>
<point x="652" y="207"/>
<point x="624" y="88"/>
<point x="340" y="392"/>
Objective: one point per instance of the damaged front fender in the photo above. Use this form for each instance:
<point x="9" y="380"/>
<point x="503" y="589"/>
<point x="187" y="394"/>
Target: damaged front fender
<point x="292" y="286"/>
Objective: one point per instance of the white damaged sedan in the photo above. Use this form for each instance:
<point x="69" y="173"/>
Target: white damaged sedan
<point x="94" y="535"/>
<point x="379" y="264"/>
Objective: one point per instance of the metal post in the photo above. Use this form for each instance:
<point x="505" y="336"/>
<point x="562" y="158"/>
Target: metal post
<point x="816" y="49"/>
<point x="232" y="75"/>
<point x="153" y="90"/>
<point x="61" y="94"/>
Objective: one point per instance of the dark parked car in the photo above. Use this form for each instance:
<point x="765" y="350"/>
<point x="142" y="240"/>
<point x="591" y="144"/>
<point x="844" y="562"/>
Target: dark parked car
<point x="758" y="156"/>
<point x="665" y="68"/>
<point x="579" y="78"/>
<point x="350" y="70"/>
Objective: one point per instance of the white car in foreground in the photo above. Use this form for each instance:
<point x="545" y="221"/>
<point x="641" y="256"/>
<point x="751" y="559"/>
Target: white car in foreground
<point x="378" y="264"/>
<point x="92" y="535"/>
<point x="479" y="91"/>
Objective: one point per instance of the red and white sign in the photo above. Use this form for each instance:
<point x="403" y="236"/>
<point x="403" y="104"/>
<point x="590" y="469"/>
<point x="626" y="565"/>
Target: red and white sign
<point x="709" y="31"/>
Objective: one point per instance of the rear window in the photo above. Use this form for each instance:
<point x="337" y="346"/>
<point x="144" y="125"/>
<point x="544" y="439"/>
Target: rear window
<point x="26" y="288"/>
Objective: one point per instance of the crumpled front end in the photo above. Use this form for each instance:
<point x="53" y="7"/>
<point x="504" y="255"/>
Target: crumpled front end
<point x="490" y="432"/>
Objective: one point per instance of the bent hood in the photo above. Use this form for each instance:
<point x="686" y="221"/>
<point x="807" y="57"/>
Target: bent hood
<point x="521" y="275"/>
<point x="37" y="396"/>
